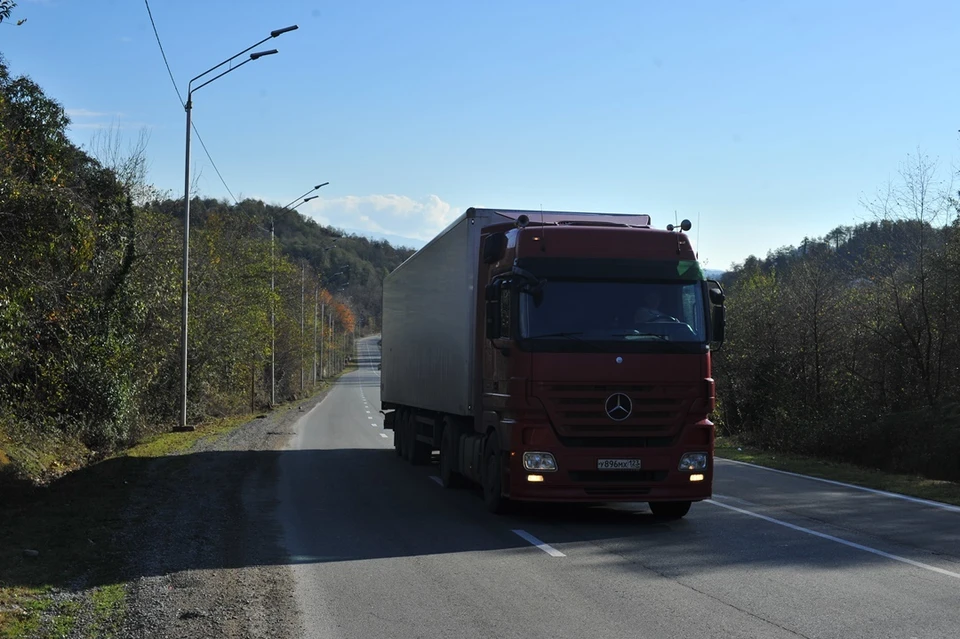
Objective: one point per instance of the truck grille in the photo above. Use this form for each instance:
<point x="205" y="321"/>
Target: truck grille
<point x="578" y="411"/>
<point x="617" y="442"/>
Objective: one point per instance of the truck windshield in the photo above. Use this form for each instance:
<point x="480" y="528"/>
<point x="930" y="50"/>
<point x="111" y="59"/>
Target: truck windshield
<point x="615" y="311"/>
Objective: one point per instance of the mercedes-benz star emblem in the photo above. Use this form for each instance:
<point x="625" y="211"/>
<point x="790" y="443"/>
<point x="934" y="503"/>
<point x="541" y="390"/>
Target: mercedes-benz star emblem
<point x="618" y="407"/>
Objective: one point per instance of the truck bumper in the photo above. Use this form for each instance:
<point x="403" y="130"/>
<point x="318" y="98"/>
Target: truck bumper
<point x="577" y="478"/>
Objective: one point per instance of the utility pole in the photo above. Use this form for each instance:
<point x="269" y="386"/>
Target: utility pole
<point x="303" y="269"/>
<point x="323" y="315"/>
<point x="333" y="343"/>
<point x="273" y="323"/>
<point x="316" y="304"/>
<point x="185" y="290"/>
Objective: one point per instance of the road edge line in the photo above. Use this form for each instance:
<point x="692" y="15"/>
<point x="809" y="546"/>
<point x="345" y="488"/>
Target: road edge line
<point x="884" y="493"/>
<point x="851" y="544"/>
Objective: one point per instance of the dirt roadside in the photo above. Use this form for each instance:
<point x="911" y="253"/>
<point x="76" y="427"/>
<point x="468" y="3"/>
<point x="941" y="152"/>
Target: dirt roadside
<point x="202" y="547"/>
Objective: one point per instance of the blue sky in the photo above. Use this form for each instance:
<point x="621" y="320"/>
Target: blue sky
<point x="768" y="120"/>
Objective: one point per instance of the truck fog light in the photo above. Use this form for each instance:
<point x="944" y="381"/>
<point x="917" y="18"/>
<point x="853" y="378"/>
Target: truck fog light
<point x="694" y="461"/>
<point x="544" y="462"/>
<point x="535" y="478"/>
<point x="696" y="477"/>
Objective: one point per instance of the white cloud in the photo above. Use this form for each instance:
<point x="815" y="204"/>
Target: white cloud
<point x="87" y="113"/>
<point x="87" y="119"/>
<point x="398" y="216"/>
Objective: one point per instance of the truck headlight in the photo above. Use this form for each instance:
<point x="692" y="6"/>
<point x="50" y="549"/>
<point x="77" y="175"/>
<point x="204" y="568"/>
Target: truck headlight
<point x="694" y="461"/>
<point x="543" y="462"/>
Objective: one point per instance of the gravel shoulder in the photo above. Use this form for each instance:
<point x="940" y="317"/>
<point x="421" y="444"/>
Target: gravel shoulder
<point x="204" y="550"/>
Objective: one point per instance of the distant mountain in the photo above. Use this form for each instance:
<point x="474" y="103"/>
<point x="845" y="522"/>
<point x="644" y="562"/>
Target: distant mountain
<point x="713" y="274"/>
<point x="397" y="241"/>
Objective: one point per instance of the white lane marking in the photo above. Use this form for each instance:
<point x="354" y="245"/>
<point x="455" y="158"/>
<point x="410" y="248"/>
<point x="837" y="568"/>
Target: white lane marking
<point x="384" y="435"/>
<point x="837" y="540"/>
<point x="437" y="479"/>
<point x="547" y="548"/>
<point x="368" y="412"/>
<point x="884" y="493"/>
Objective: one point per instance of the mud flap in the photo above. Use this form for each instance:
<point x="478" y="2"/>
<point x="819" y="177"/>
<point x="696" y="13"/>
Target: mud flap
<point x="388" y="419"/>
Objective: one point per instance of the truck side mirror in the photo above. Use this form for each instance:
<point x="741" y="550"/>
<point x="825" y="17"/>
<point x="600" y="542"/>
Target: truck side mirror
<point x="719" y="323"/>
<point x="492" y="295"/>
<point x="494" y="247"/>
<point x="717" y="296"/>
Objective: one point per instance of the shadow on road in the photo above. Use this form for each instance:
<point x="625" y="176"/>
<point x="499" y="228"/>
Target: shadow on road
<point x="217" y="510"/>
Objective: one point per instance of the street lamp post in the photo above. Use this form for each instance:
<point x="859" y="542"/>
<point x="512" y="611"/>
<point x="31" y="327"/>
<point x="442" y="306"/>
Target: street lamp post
<point x="273" y="320"/>
<point x="188" y="107"/>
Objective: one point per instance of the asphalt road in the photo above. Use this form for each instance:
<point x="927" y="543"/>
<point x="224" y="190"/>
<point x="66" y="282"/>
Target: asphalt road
<point x="379" y="549"/>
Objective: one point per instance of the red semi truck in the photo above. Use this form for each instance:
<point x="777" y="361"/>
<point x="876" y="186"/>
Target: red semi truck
<point x="550" y="356"/>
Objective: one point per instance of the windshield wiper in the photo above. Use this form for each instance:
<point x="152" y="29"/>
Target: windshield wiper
<point x="572" y="335"/>
<point x="662" y="338"/>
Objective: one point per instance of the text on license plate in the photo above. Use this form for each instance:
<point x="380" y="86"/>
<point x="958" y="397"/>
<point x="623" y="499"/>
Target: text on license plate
<point x="618" y="464"/>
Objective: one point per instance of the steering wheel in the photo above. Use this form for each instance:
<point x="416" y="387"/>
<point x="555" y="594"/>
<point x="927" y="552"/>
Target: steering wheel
<point x="657" y="316"/>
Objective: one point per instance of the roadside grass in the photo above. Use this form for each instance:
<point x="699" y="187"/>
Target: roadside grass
<point x="59" y="571"/>
<point x="912" y="485"/>
<point x="109" y="607"/>
<point x="176" y="442"/>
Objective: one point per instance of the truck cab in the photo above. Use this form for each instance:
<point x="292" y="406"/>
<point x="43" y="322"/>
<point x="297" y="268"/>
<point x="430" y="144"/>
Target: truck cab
<point x="596" y="362"/>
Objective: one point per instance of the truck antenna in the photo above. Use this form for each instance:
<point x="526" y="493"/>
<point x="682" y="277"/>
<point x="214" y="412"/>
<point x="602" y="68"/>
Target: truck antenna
<point x="698" y="235"/>
<point x="543" y="232"/>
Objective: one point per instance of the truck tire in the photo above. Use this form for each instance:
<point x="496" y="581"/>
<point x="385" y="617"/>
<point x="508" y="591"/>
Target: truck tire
<point x="397" y="440"/>
<point x="669" y="509"/>
<point x="449" y="476"/>
<point x="493" y="497"/>
<point x="415" y="451"/>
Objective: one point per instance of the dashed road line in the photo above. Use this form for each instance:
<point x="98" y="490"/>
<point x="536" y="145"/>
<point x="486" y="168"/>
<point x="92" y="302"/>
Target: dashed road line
<point x="547" y="548"/>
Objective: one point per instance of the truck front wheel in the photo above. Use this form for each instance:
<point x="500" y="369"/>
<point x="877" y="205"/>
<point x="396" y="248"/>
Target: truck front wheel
<point x="493" y="497"/>
<point x="669" y="509"/>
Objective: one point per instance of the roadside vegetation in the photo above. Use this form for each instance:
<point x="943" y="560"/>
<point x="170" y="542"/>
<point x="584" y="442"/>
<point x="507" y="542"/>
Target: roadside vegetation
<point x="90" y="267"/>
<point x="845" y="348"/>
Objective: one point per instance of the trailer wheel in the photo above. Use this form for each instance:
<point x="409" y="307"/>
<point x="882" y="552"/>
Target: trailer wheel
<point x="493" y="497"/>
<point x="449" y="476"/>
<point x="669" y="509"/>
<point x="414" y="451"/>
<point x="408" y="436"/>
<point x="400" y="433"/>
<point x="420" y="453"/>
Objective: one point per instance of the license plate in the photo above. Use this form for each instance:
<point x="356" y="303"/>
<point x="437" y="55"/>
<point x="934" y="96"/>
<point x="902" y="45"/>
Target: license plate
<point x="618" y="464"/>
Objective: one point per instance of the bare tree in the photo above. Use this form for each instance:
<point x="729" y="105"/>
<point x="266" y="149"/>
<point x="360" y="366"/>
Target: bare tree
<point x="919" y="197"/>
<point x="127" y="159"/>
